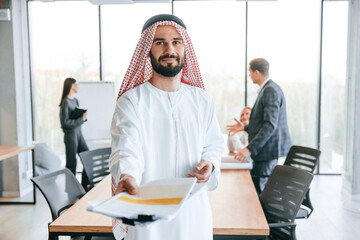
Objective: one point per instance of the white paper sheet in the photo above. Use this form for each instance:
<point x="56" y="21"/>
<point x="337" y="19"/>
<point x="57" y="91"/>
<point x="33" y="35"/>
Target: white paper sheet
<point x="161" y="199"/>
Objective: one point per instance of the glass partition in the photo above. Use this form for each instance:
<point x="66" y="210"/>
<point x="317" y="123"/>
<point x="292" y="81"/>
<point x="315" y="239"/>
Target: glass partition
<point x="64" y="39"/>
<point x="121" y="31"/>
<point x="217" y="30"/>
<point x="287" y="34"/>
<point x="65" y="42"/>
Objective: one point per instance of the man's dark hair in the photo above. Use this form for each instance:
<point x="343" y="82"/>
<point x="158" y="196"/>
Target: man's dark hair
<point x="261" y="65"/>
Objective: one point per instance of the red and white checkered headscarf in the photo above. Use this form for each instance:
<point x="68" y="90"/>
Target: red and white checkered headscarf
<point x="140" y="69"/>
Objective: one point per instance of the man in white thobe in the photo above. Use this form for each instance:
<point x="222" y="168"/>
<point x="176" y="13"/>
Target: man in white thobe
<point x="164" y="126"/>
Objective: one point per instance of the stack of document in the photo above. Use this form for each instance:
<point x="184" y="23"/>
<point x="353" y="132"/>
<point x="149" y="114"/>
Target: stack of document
<point x="160" y="199"/>
<point x="228" y="162"/>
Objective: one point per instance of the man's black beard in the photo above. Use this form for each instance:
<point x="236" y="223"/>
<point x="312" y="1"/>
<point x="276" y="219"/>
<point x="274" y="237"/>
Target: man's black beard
<point x="167" y="71"/>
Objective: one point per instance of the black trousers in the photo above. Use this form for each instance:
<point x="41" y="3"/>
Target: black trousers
<point x="260" y="173"/>
<point x="74" y="143"/>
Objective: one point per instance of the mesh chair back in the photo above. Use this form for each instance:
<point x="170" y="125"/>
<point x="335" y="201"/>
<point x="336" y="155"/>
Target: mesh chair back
<point x="303" y="157"/>
<point x="284" y="193"/>
<point x="96" y="164"/>
<point x="60" y="188"/>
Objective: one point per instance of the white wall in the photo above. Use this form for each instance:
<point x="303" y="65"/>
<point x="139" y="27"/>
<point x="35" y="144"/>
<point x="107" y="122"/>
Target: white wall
<point x="351" y="176"/>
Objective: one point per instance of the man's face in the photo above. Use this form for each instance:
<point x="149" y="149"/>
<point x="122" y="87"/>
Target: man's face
<point x="253" y="75"/>
<point x="167" y="51"/>
<point x="245" y="116"/>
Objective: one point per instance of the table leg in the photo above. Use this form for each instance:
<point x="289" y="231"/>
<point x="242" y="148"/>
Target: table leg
<point x="238" y="237"/>
<point x="53" y="236"/>
<point x="33" y="167"/>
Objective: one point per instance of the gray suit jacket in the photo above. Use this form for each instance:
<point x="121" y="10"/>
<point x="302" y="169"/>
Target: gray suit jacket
<point x="268" y="130"/>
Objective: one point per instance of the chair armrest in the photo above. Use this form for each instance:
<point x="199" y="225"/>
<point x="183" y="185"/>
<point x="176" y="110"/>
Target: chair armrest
<point x="259" y="176"/>
<point x="283" y="224"/>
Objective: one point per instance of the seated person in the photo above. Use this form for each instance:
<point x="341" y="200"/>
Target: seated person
<point x="239" y="141"/>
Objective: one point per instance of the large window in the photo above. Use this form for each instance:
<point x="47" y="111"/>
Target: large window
<point x="217" y="30"/>
<point x="121" y="31"/>
<point x="334" y="47"/>
<point x="64" y="43"/>
<point x="287" y="34"/>
<point x="65" y="40"/>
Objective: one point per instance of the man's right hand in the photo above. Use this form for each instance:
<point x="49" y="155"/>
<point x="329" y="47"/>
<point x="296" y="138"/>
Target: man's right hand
<point x="127" y="184"/>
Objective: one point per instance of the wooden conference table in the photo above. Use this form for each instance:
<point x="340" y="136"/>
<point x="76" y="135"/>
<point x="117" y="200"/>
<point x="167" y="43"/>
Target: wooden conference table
<point x="8" y="151"/>
<point x="237" y="213"/>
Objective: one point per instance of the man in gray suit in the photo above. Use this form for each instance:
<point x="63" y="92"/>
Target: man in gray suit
<point x="268" y="130"/>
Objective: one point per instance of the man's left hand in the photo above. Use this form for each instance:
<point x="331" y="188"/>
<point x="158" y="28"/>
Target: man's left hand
<point x="243" y="154"/>
<point x="204" y="169"/>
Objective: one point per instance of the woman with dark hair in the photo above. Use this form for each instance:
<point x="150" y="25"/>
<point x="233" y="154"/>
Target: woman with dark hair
<point x="73" y="138"/>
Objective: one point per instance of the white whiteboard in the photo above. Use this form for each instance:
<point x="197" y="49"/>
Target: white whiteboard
<point x="99" y="100"/>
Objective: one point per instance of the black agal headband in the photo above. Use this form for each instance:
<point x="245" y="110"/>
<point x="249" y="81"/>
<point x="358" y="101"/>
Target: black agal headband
<point x="162" y="17"/>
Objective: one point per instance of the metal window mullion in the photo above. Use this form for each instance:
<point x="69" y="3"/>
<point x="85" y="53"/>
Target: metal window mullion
<point x="319" y="86"/>
<point x="100" y="45"/>
<point x="246" y="52"/>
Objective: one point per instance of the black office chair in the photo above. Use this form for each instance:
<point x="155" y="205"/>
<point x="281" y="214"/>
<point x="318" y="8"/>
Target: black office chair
<point x="61" y="190"/>
<point x="304" y="158"/>
<point x="281" y="199"/>
<point x="96" y="166"/>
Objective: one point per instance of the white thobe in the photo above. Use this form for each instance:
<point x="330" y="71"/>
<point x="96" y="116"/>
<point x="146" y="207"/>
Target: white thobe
<point x="158" y="134"/>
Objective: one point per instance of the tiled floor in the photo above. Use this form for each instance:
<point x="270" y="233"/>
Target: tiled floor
<point x="334" y="217"/>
